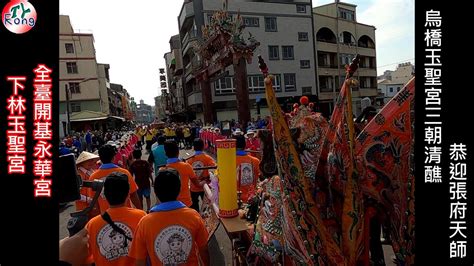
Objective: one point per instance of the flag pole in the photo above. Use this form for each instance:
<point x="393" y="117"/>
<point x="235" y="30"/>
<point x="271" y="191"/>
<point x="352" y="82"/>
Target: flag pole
<point x="350" y="121"/>
<point x="352" y="208"/>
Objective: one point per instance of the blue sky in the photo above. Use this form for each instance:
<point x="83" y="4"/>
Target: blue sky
<point x="134" y="45"/>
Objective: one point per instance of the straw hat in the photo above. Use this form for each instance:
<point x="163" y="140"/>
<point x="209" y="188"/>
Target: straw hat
<point x="250" y="132"/>
<point x="86" y="156"/>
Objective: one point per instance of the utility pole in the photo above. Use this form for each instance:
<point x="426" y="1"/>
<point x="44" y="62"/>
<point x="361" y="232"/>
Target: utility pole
<point x="68" y="113"/>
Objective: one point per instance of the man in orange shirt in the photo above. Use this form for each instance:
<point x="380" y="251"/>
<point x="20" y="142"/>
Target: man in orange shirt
<point x="106" y="154"/>
<point x="185" y="171"/>
<point x="171" y="234"/>
<point x="200" y="159"/>
<point x="86" y="164"/>
<point x="111" y="233"/>
<point x="248" y="170"/>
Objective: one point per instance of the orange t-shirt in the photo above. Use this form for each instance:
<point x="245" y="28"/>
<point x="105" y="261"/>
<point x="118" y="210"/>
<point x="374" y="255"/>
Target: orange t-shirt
<point x="84" y="191"/>
<point x="200" y="160"/>
<point x="102" y="173"/>
<point x="108" y="247"/>
<point x="186" y="173"/>
<point x="248" y="172"/>
<point x="170" y="237"/>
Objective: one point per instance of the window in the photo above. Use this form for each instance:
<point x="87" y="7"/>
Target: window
<point x="347" y="38"/>
<point x="69" y="48"/>
<point x="270" y="24"/>
<point x="251" y="22"/>
<point x="224" y="85"/>
<point x="325" y="83"/>
<point x="339" y="82"/>
<point x="273" y="52"/>
<point x="71" y="67"/>
<point x="346" y="59"/>
<point x="398" y="88"/>
<point x="74" y="87"/>
<point x="390" y="90"/>
<point x="75" y="107"/>
<point x="288" y="53"/>
<point x="257" y="85"/>
<point x="304" y="64"/>
<point x="346" y="14"/>
<point x="307" y="90"/>
<point x="290" y="82"/>
<point x="302" y="36"/>
<point x="301" y="8"/>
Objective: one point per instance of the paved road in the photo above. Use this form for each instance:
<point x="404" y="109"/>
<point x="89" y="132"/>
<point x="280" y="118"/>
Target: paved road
<point x="219" y="244"/>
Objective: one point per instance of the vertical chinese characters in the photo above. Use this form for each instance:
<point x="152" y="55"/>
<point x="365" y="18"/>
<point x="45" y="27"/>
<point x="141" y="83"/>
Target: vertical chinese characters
<point x="16" y="105"/>
<point x="458" y="197"/>
<point x="42" y="134"/>
<point x="432" y="85"/>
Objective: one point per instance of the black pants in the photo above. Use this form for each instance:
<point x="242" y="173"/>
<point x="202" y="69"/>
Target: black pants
<point x="189" y="142"/>
<point x="376" y="251"/>
<point x="148" y="145"/>
<point x="195" y="198"/>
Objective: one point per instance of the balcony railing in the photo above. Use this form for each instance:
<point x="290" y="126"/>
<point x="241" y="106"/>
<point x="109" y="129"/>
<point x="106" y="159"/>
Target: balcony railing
<point x="327" y="65"/>
<point x="187" y="11"/>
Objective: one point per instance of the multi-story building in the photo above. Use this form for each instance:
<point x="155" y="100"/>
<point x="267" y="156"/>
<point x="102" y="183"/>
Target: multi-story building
<point x="144" y="113"/>
<point x="403" y="73"/>
<point x="393" y="81"/>
<point x="80" y="72"/>
<point x="104" y="85"/>
<point x="174" y="71"/>
<point x="159" y="108"/>
<point x="339" y="37"/>
<point x="85" y="81"/>
<point x="387" y="89"/>
<point x="115" y="100"/>
<point x="289" y="53"/>
<point x="133" y="108"/>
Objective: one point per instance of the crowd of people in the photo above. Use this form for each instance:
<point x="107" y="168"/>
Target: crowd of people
<point x="125" y="230"/>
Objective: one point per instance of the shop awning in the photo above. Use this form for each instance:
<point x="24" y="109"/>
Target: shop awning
<point x="117" y="117"/>
<point x="88" y="116"/>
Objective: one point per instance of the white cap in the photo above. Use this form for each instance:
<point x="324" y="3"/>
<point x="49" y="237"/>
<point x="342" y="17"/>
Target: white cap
<point x="238" y="132"/>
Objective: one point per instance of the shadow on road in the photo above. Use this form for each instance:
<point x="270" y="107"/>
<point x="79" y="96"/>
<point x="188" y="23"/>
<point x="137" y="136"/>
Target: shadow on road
<point x="216" y="255"/>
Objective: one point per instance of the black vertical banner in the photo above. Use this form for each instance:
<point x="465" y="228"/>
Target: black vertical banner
<point x="30" y="224"/>
<point x="437" y="242"/>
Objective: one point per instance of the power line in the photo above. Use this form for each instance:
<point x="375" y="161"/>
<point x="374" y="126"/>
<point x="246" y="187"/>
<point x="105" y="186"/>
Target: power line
<point x="397" y="62"/>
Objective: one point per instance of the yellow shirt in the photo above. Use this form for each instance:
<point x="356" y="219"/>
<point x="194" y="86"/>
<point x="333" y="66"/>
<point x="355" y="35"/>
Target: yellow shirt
<point x="149" y="136"/>
<point x="172" y="133"/>
<point x="187" y="132"/>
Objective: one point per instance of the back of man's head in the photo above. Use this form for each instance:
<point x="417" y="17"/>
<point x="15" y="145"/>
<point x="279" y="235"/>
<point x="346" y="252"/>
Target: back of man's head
<point x="161" y="140"/>
<point x="198" y="144"/>
<point x="240" y="142"/>
<point x="137" y="154"/>
<point x="116" y="188"/>
<point x="106" y="153"/>
<point x="171" y="149"/>
<point x="167" y="185"/>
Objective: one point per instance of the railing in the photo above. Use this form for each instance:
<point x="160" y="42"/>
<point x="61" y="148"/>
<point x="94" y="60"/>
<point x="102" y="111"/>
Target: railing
<point x="327" y="65"/>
